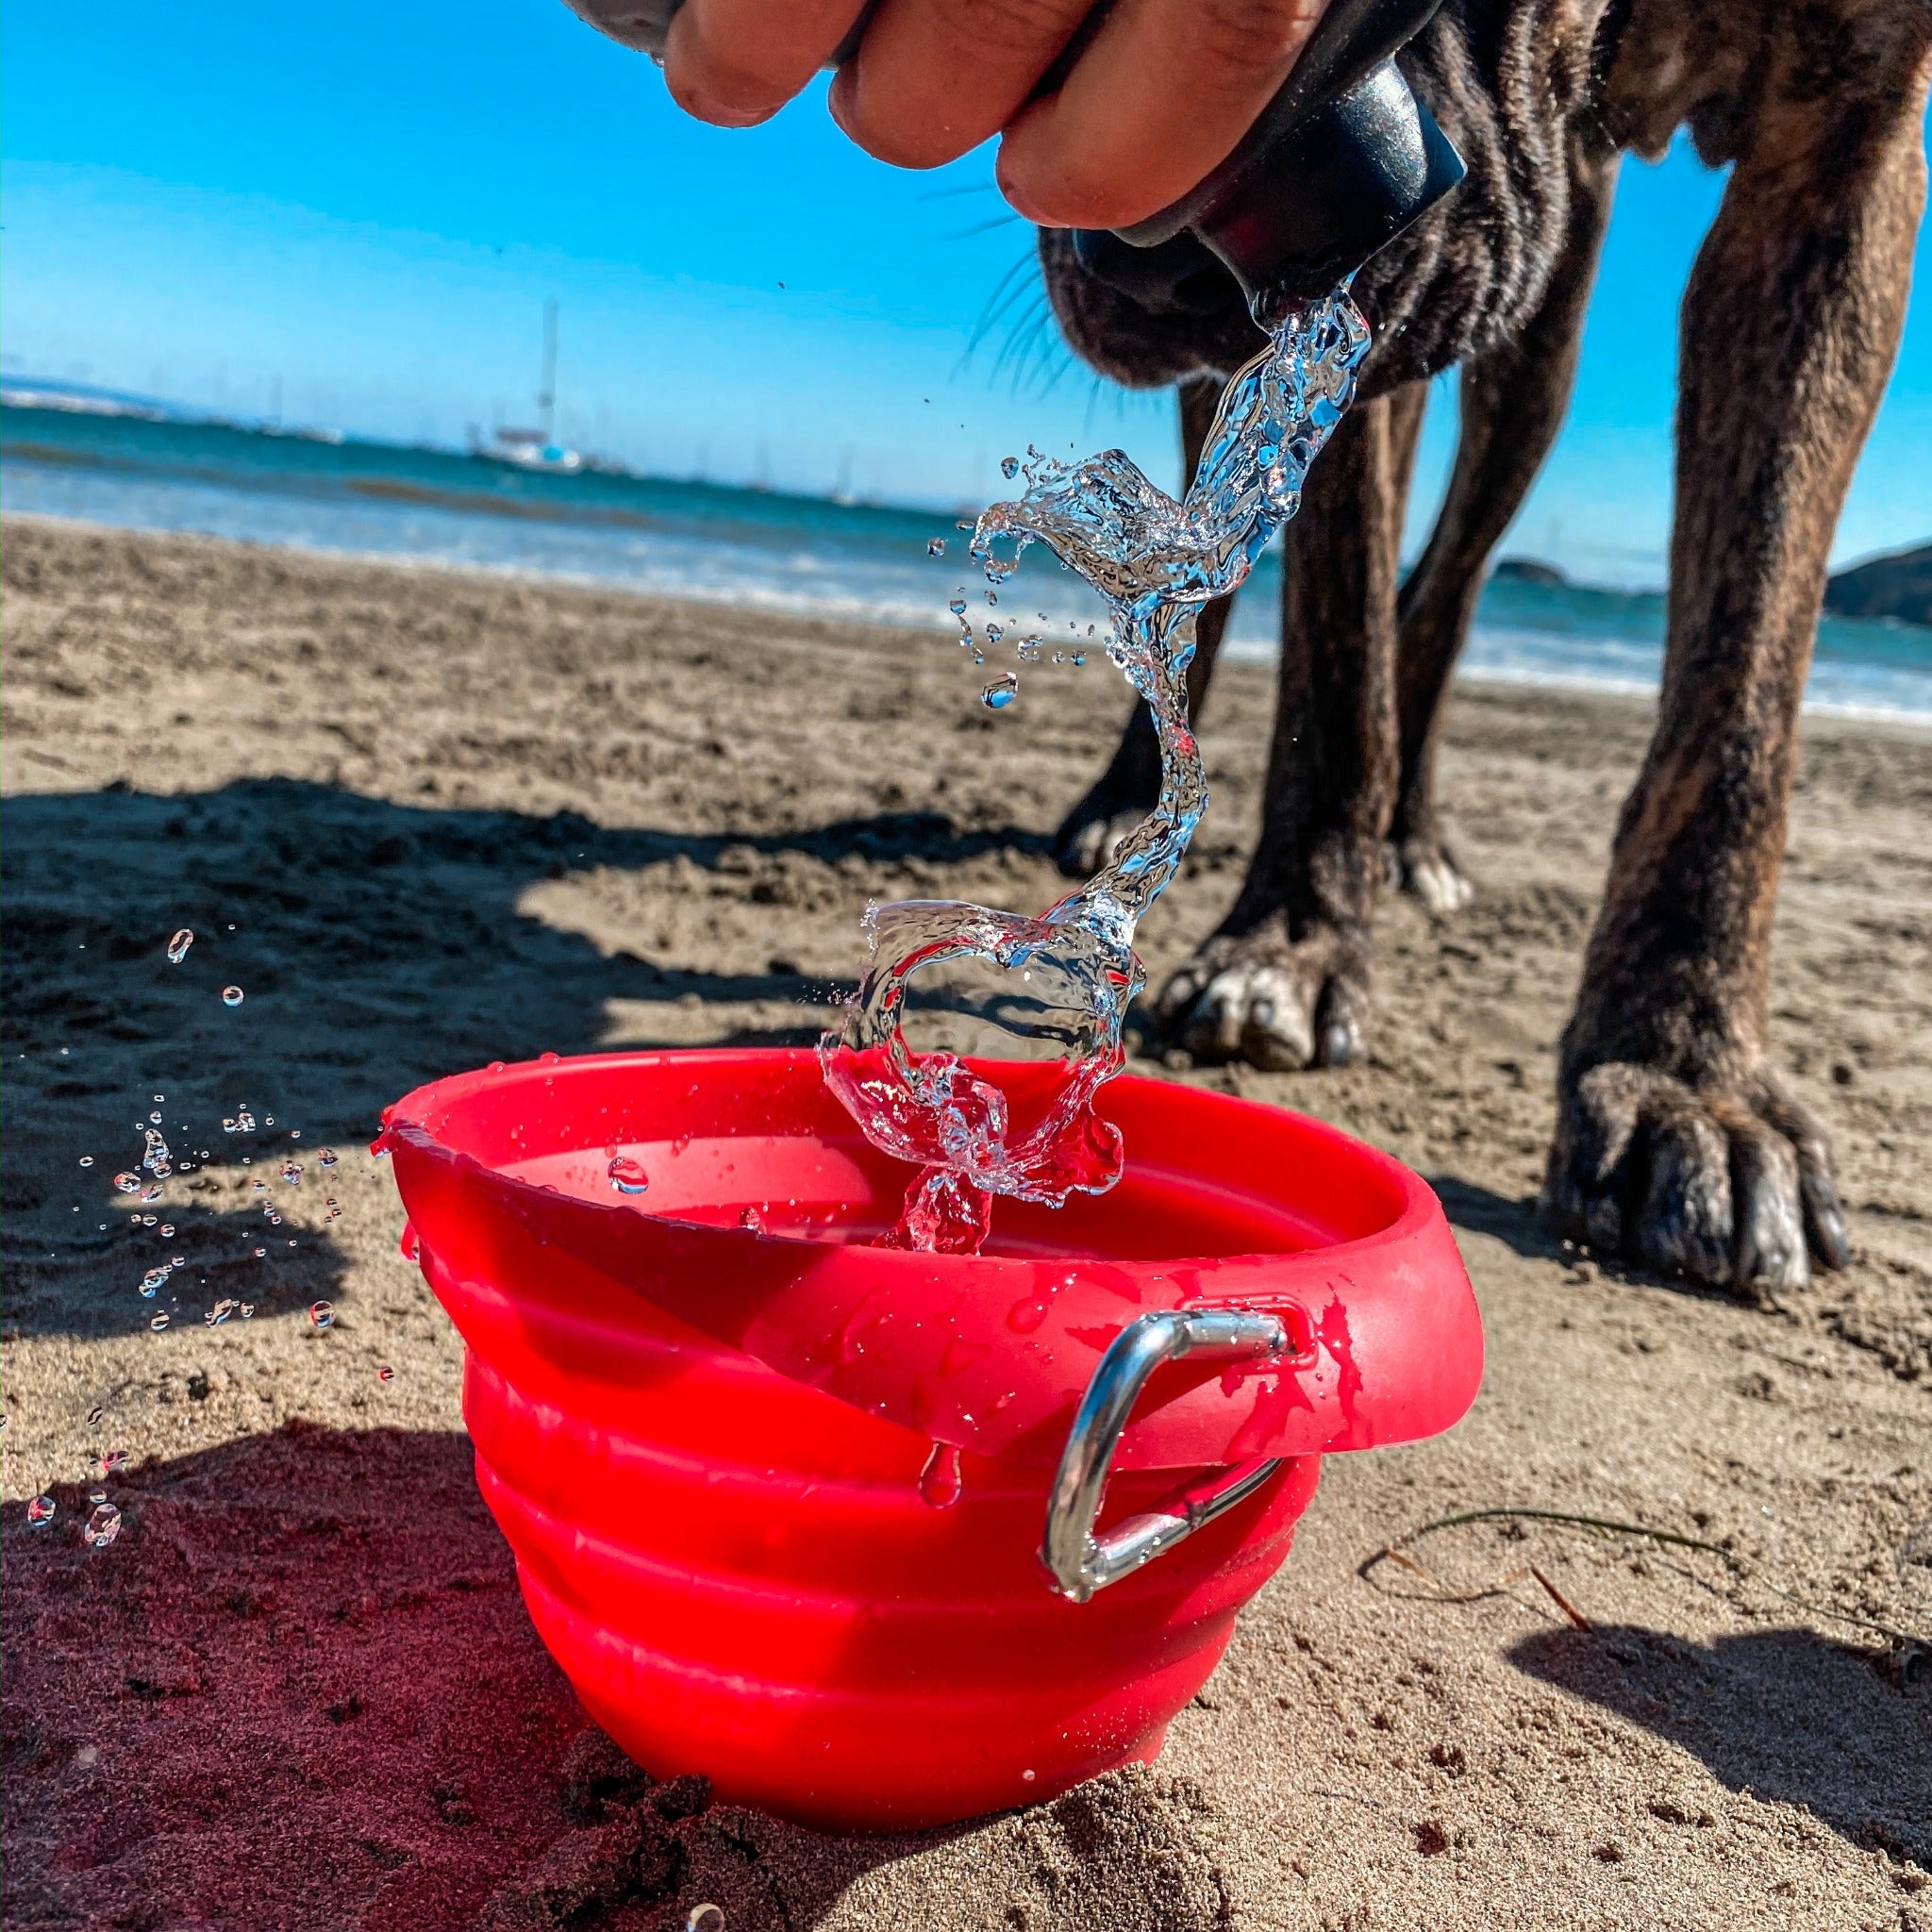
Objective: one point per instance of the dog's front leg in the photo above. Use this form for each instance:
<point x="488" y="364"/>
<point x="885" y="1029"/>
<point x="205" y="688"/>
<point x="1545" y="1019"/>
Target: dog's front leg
<point x="1511" y="405"/>
<point x="1285" y="981"/>
<point x="1676" y="1142"/>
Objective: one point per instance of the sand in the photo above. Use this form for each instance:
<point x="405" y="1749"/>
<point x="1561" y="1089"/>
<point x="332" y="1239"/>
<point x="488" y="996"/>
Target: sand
<point x="427" y="818"/>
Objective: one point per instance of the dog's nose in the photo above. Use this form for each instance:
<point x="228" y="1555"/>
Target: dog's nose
<point x="1179" y="276"/>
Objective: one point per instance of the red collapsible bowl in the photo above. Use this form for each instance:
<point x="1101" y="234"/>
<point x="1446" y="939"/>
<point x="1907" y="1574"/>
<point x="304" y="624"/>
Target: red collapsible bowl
<point x="712" y="1446"/>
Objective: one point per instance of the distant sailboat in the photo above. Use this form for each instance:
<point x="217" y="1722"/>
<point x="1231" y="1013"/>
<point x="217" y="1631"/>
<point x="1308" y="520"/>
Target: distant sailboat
<point x="538" y="449"/>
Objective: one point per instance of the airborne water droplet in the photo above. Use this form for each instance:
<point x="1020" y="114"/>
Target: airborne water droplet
<point x="385" y="1374"/>
<point x="94" y="1415"/>
<point x="326" y="1158"/>
<point x="292" y="1172"/>
<point x="1009" y="467"/>
<point x="178" y="946"/>
<point x="40" y="1512"/>
<point x="1000" y="692"/>
<point x="936" y="547"/>
<point x="231" y="995"/>
<point x="87" y="1161"/>
<point x="627" y="1176"/>
<point x="705" y="1918"/>
<point x="321" y="1314"/>
<point x="159" y="1322"/>
<point x="939" y="1481"/>
<point x="103" y="1526"/>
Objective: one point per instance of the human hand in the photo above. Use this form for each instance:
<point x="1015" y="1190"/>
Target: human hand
<point x="1156" y="99"/>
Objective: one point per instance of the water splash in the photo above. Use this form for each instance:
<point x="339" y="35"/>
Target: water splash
<point x="1156" y="562"/>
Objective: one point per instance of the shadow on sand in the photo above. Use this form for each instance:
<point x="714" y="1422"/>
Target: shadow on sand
<point x="299" y="1691"/>
<point x="376" y="946"/>
<point x="1785" y="1714"/>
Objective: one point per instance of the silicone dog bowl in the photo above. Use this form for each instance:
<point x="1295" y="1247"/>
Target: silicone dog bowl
<point x="818" y="1518"/>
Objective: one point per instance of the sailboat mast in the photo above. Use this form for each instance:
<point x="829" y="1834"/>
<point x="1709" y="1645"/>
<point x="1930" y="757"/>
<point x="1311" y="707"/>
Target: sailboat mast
<point x="546" y="396"/>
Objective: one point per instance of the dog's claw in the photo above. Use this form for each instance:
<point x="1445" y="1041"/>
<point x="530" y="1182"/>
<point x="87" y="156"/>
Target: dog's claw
<point x="1083" y="845"/>
<point x="1732" y="1188"/>
<point x="1280" y="1005"/>
<point x="1428" y="871"/>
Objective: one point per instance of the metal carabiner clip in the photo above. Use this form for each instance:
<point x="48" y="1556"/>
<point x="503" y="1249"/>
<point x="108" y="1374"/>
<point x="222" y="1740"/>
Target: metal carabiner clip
<point x="1080" y="1562"/>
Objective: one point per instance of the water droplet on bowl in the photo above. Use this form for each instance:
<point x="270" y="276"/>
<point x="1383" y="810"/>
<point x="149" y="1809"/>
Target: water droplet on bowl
<point x="627" y="1176"/>
<point x="939" y="1481"/>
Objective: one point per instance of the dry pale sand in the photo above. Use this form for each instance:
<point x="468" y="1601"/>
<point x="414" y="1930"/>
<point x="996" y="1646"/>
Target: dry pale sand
<point x="427" y="819"/>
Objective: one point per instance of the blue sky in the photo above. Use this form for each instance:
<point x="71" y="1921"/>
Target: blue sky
<point x="362" y="209"/>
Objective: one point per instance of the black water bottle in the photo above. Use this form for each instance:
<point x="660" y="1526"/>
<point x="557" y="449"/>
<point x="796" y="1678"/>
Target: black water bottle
<point x="1340" y="163"/>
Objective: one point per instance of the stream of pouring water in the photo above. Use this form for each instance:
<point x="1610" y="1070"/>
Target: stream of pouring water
<point x="1155" y="561"/>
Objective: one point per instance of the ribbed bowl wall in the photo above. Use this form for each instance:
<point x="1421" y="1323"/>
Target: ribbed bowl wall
<point x="741" y="1576"/>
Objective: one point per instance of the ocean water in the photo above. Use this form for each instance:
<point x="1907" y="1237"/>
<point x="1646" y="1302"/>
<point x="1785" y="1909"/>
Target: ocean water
<point x="762" y="548"/>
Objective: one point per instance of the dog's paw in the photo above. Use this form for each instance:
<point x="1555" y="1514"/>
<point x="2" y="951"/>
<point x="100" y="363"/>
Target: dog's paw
<point x="1085" y="842"/>
<point x="1276" y="1003"/>
<point x="1731" y="1186"/>
<point x="1426" y="870"/>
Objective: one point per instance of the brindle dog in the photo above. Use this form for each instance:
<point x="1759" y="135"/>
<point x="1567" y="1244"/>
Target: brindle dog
<point x="1675" y="1142"/>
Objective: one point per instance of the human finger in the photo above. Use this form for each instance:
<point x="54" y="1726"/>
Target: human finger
<point x="1153" y="107"/>
<point x="736" y="62"/>
<point x="933" y="79"/>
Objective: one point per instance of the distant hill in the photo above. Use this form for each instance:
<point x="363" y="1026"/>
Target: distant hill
<point x="1897" y="586"/>
<point x="1528" y="569"/>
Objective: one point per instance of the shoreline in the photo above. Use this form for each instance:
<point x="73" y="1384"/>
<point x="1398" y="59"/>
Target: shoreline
<point x="860" y="610"/>
<point x="428" y="819"/>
